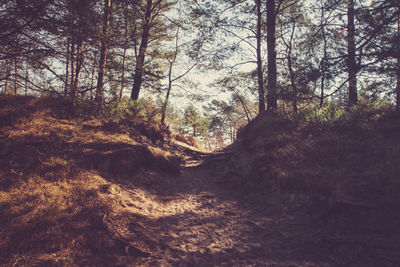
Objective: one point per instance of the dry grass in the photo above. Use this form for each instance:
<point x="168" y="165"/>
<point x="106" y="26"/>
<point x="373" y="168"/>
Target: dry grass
<point x="44" y="220"/>
<point x="53" y="201"/>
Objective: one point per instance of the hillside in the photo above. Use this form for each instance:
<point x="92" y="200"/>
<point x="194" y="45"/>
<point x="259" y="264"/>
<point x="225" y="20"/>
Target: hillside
<point x="334" y="179"/>
<point x="63" y="179"/>
<point x="78" y="191"/>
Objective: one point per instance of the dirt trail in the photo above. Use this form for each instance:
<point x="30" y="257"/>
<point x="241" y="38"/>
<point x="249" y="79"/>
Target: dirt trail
<point x="201" y="220"/>
<point x="91" y="195"/>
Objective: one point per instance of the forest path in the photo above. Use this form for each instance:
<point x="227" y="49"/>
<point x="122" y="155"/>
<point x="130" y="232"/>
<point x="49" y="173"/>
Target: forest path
<point x="203" y="220"/>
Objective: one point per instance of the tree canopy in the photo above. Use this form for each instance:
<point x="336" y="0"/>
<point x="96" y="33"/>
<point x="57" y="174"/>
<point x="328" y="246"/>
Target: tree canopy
<point x="277" y="54"/>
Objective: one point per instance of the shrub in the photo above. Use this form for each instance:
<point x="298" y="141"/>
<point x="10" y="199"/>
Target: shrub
<point x="326" y="116"/>
<point x="125" y="108"/>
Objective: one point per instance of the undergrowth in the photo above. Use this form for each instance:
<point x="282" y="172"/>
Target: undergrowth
<point x="331" y="115"/>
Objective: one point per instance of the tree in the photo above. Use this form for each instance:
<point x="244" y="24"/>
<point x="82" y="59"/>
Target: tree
<point x="323" y="62"/>
<point x="103" y="52"/>
<point x="398" y="62"/>
<point x="260" y="76"/>
<point x="272" y="103"/>
<point x="351" y="54"/>
<point x="294" y="16"/>
<point x="195" y="121"/>
<point x="137" y="80"/>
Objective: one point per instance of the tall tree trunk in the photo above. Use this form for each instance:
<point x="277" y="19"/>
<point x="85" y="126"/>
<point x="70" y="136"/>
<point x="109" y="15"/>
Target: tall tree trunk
<point x="291" y="72"/>
<point x="92" y="76"/>
<point x="398" y="64"/>
<point x="325" y="55"/>
<point x="15" y="76"/>
<point x="6" y="80"/>
<point x="123" y="60"/>
<point x="122" y="75"/>
<point x="138" y="77"/>
<point x="261" y="94"/>
<point x="272" y="102"/>
<point x="170" y="80"/>
<point x="398" y="84"/>
<point x="103" y="53"/>
<point x="67" y="69"/>
<point x="171" y="64"/>
<point x="292" y="81"/>
<point x="78" y="66"/>
<point x="351" y="57"/>
<point x="72" y="61"/>
<point x="165" y="104"/>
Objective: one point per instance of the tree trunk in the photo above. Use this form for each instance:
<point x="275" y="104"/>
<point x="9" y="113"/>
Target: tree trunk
<point x="293" y="82"/>
<point x="78" y="67"/>
<point x="171" y="64"/>
<point x="103" y="53"/>
<point x="165" y="105"/>
<point x="261" y="97"/>
<point x="26" y="81"/>
<point x="272" y="103"/>
<point x="325" y="55"/>
<point x="15" y="76"/>
<point x="398" y="64"/>
<point x="67" y="70"/>
<point x="244" y="106"/>
<point x="351" y="57"/>
<point x="138" y="77"/>
<point x="170" y="80"/>
<point x="291" y="72"/>
<point x="398" y="84"/>
<point x="123" y="60"/>
<point x="92" y="76"/>
<point x="122" y="75"/>
<point x="72" y="80"/>
<point x="6" y="82"/>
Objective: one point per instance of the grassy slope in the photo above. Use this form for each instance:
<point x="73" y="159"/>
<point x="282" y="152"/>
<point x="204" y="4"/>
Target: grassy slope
<point x="61" y="179"/>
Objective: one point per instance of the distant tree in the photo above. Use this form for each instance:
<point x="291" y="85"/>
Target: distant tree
<point x="192" y="119"/>
<point x="241" y="86"/>
<point x="172" y="57"/>
<point x="228" y="117"/>
<point x="294" y="17"/>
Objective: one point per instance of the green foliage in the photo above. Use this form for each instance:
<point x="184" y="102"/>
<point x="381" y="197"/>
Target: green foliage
<point x="326" y="116"/>
<point x="332" y="115"/>
<point x="125" y="108"/>
<point x="199" y="125"/>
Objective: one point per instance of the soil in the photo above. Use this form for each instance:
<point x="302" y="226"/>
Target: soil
<point x="207" y="216"/>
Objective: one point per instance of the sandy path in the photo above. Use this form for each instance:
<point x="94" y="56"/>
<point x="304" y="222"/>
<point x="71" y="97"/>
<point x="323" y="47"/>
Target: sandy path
<point x="199" y="219"/>
<point x="199" y="222"/>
